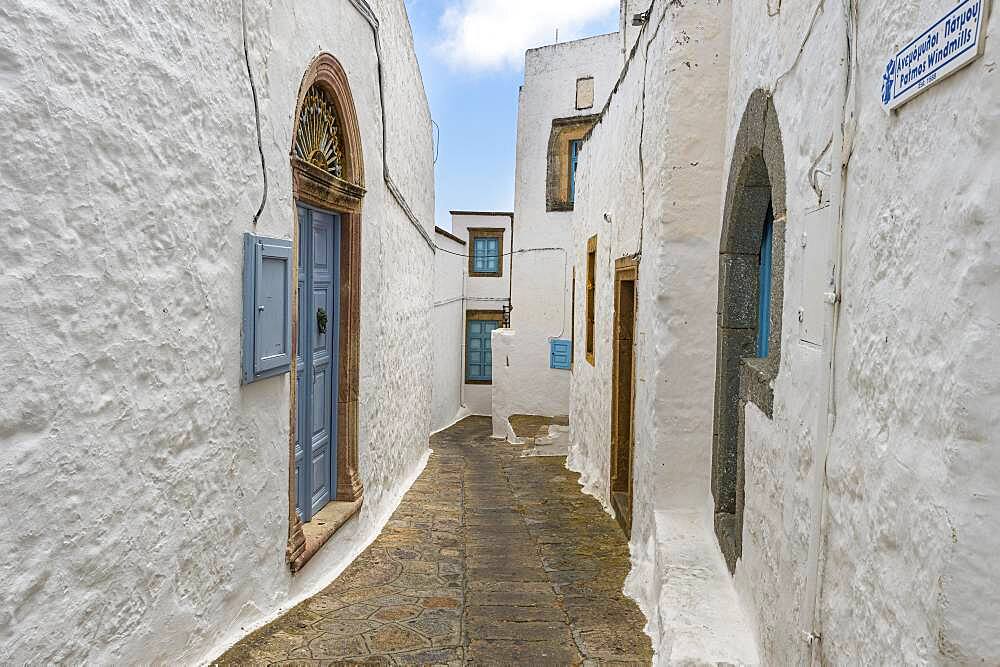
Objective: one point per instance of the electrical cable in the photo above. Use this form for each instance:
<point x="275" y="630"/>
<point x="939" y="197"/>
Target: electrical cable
<point x="366" y="12"/>
<point x="642" y="126"/>
<point x="256" y="111"/>
<point x="506" y="254"/>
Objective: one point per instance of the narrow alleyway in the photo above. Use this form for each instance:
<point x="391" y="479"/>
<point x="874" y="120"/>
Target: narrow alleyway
<point x="490" y="559"/>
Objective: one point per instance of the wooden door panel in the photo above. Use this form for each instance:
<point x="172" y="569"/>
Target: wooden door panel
<point x="623" y="392"/>
<point x="318" y="336"/>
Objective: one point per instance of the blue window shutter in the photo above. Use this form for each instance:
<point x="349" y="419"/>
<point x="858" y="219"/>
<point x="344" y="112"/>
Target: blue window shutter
<point x="560" y="354"/>
<point x="479" y="252"/>
<point x="493" y="255"/>
<point x="574" y="158"/>
<point x="486" y="255"/>
<point x="267" y="307"/>
<point x="764" y="290"/>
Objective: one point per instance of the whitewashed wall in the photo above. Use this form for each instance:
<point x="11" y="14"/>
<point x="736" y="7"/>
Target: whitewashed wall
<point x="145" y="493"/>
<point x="629" y="33"/>
<point x="450" y="267"/>
<point x="908" y="524"/>
<point x="542" y="278"/>
<point x="649" y="185"/>
<point x="911" y="507"/>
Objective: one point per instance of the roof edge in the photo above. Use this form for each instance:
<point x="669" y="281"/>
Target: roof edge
<point x="505" y="214"/>
<point x="446" y="233"/>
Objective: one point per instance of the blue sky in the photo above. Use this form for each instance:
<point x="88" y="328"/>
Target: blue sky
<point x="471" y="55"/>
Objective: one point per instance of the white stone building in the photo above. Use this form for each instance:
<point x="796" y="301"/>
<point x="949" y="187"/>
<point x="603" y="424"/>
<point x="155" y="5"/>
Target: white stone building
<point x="149" y="503"/>
<point x="471" y="292"/>
<point x="565" y="86"/>
<point x="832" y="438"/>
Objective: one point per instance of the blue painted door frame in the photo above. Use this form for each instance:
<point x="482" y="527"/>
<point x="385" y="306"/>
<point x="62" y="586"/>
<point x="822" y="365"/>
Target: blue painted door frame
<point x="317" y="360"/>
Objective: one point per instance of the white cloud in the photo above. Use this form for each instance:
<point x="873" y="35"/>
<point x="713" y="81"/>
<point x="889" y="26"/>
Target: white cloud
<point x="492" y="34"/>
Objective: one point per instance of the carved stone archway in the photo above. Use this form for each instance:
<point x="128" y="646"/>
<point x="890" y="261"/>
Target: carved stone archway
<point x="755" y="201"/>
<point x="328" y="172"/>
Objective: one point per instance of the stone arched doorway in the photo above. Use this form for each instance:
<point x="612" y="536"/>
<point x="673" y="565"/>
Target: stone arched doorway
<point x="751" y="291"/>
<point x="328" y="183"/>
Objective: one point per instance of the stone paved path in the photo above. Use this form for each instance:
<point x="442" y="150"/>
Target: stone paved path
<point x="490" y="559"/>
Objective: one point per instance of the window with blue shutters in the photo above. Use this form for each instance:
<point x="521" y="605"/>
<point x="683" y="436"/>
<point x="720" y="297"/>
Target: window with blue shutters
<point x="486" y="252"/>
<point x="574" y="155"/>
<point x="764" y="290"/>
<point x="487" y="258"/>
<point x="479" y="329"/>
<point x="561" y="354"/>
<point x="267" y="307"/>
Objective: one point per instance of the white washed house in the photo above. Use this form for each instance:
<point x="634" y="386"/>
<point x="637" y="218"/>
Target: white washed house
<point x="151" y="441"/>
<point x="565" y="86"/>
<point x="793" y="406"/>
<point x="471" y="301"/>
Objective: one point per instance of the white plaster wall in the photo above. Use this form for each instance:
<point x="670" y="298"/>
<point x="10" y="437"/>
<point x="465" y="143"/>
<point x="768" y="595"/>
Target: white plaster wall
<point x="779" y="456"/>
<point x="146" y="490"/>
<point x="650" y="184"/>
<point x="911" y="512"/>
<point x="919" y="424"/>
<point x="629" y="33"/>
<point x="909" y="522"/>
<point x="449" y="330"/>
<point x="485" y="293"/>
<point x="541" y="268"/>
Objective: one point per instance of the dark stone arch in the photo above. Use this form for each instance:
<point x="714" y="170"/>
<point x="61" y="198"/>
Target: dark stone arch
<point x="756" y="189"/>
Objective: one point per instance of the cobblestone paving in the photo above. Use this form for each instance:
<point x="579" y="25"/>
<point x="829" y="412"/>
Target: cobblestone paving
<point x="490" y="559"/>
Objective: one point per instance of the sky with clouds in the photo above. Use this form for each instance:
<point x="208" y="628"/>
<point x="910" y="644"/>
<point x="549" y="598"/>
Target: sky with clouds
<point x="471" y="55"/>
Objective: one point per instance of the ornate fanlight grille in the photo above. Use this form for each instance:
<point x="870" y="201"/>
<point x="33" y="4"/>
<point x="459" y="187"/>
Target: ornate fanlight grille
<point x="317" y="140"/>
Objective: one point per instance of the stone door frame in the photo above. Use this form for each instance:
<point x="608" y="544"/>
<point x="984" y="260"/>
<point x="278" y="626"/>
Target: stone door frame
<point x="342" y="195"/>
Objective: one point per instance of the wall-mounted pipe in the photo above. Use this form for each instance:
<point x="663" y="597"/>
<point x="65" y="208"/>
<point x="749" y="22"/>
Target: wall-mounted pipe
<point x="461" y="334"/>
<point x="827" y="415"/>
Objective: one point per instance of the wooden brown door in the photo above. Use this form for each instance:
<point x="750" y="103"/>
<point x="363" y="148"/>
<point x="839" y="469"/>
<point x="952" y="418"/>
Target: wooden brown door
<point x="623" y="392"/>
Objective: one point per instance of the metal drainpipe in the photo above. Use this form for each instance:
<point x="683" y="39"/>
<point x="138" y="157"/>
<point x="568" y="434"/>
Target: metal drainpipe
<point x="827" y="416"/>
<point x="510" y="287"/>
<point x="461" y="361"/>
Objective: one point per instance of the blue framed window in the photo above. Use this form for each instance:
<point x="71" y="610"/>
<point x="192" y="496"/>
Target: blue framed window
<point x="764" y="292"/>
<point x="486" y="258"/>
<point x="479" y="327"/>
<point x="574" y="155"/>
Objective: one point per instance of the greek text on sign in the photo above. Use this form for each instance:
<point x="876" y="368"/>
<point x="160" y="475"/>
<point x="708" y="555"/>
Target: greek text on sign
<point x="946" y="47"/>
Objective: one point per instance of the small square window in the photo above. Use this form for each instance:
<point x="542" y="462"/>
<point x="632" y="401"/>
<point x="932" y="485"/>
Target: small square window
<point x="585" y="93"/>
<point x="486" y="252"/>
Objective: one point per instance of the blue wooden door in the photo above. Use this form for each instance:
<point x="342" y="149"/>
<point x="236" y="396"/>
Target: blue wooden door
<point x="479" y="350"/>
<point x="316" y="449"/>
